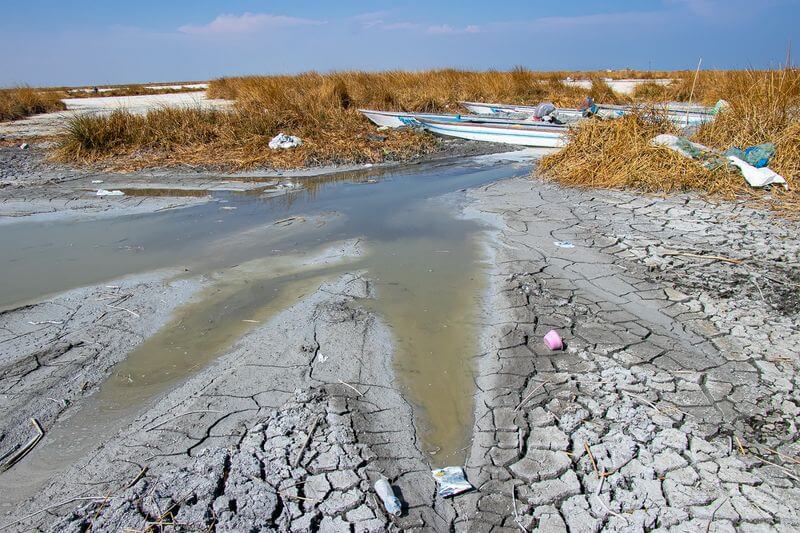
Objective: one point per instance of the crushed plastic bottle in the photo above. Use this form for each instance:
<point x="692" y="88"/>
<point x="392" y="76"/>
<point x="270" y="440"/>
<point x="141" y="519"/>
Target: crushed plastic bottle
<point x="390" y="501"/>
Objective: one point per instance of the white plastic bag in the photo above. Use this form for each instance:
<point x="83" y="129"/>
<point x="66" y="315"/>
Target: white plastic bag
<point x="103" y="192"/>
<point x="757" y="177"/>
<point x="283" y="141"/>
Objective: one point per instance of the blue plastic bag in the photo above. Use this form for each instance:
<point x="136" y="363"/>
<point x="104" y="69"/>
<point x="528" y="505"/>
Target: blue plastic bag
<point x="759" y="155"/>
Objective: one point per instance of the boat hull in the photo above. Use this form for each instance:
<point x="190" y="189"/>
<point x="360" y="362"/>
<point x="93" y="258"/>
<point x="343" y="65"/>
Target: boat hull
<point x="399" y="119"/>
<point x="389" y="119"/>
<point x="523" y="135"/>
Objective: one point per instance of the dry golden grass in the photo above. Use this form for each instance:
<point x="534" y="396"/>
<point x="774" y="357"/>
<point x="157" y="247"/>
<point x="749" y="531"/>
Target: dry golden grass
<point x="617" y="154"/>
<point x="238" y="139"/>
<point x="322" y="109"/>
<point x="21" y="102"/>
<point x="764" y="107"/>
<point x="426" y="91"/>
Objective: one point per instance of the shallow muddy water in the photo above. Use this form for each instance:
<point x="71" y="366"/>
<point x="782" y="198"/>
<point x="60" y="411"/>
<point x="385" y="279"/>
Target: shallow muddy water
<point x="425" y="262"/>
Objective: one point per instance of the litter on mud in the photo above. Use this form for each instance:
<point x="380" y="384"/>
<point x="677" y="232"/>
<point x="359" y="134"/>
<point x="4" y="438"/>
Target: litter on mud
<point x="282" y="142"/>
<point x="553" y="340"/>
<point x="390" y="502"/>
<point x="451" y="481"/>
<point x="11" y="458"/>
<point x="104" y="192"/>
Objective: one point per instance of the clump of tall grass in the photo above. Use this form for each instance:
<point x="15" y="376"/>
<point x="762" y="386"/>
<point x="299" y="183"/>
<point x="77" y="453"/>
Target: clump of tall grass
<point x="20" y="102"/>
<point x="652" y="92"/>
<point x="320" y="108"/>
<point x="764" y="107"/>
<point x="425" y="91"/>
<point x="234" y="139"/>
<point x="602" y="92"/>
<point x="618" y="154"/>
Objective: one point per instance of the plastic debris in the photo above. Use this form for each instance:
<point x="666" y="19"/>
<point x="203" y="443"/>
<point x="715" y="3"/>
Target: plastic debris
<point x="103" y="192"/>
<point x="97" y="181"/>
<point x="553" y="340"/>
<point x="721" y="105"/>
<point x="710" y="159"/>
<point x="451" y="480"/>
<point x="24" y="146"/>
<point x="564" y="244"/>
<point x="544" y="109"/>
<point x="699" y="152"/>
<point x="758" y="155"/>
<point x="282" y="142"/>
<point x="386" y="494"/>
<point x="757" y="177"/>
<point x="588" y="108"/>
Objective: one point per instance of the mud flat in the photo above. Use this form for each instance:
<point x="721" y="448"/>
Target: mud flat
<point x="338" y="336"/>
<point x="674" y="405"/>
<point x="231" y="447"/>
<point x="33" y="185"/>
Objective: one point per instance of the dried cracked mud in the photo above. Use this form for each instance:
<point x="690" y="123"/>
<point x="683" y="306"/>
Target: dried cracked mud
<point x="672" y="408"/>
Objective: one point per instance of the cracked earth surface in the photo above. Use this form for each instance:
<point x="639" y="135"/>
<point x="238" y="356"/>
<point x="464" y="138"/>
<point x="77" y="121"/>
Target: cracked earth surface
<point x="672" y="408"/>
<point x="55" y="352"/>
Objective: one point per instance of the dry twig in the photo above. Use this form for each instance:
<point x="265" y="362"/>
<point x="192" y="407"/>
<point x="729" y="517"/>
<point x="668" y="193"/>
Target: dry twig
<point x="305" y="443"/>
<point x="530" y="395"/>
<point x="22" y="452"/>
<point x="348" y="385"/>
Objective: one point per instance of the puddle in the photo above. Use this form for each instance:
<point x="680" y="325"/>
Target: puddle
<point x="428" y="290"/>
<point x="198" y="333"/>
<point x="158" y="191"/>
<point x="425" y="263"/>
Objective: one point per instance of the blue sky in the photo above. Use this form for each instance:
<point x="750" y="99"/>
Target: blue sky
<point x="57" y="42"/>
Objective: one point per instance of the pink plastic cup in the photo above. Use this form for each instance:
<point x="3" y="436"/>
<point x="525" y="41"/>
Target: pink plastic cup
<point x="553" y="340"/>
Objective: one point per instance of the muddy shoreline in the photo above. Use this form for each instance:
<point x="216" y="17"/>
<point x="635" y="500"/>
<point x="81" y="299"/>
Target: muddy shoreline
<point x="33" y="186"/>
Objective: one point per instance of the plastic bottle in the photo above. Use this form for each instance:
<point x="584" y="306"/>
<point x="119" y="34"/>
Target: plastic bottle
<point x="390" y="501"/>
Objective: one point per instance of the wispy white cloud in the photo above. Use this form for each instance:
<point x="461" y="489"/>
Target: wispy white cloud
<point x="446" y="29"/>
<point x="400" y="26"/>
<point x="598" y="20"/>
<point x="381" y="20"/>
<point x="371" y="19"/>
<point x="387" y="20"/>
<point x="245" y="23"/>
<point x="705" y="8"/>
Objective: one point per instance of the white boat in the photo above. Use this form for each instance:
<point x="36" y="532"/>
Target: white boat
<point x="538" y="135"/>
<point x="399" y="119"/>
<point x="393" y="119"/>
